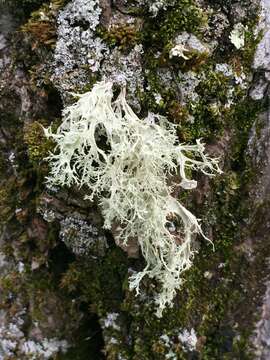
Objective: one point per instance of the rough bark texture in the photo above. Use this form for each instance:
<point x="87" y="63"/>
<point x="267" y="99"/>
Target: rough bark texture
<point x="63" y="281"/>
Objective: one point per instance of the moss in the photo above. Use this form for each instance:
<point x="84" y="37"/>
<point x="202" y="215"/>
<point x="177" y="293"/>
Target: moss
<point x="96" y="286"/>
<point x="226" y="51"/>
<point x="87" y="341"/>
<point x="8" y="284"/>
<point x="100" y="285"/>
<point x="209" y="111"/>
<point x="242" y="118"/>
<point x="177" y="112"/>
<point x="103" y="294"/>
<point x="124" y="36"/>
<point x="210" y="305"/>
<point x="251" y="42"/>
<point x="38" y="145"/>
<point x="45" y="304"/>
<point x="194" y="62"/>
<point x="42" y="32"/>
<point x="3" y="162"/>
<point x="183" y="15"/>
<point x="25" y="2"/>
<point x="7" y="199"/>
<point x="41" y="26"/>
<point x="223" y="299"/>
<point x="157" y="36"/>
<point x="23" y="7"/>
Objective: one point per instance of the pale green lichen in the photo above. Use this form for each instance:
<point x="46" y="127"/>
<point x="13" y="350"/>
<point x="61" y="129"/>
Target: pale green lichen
<point x="129" y="174"/>
<point x="237" y="36"/>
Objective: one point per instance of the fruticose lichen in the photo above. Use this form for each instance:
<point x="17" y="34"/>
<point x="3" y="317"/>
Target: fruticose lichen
<point x="129" y="173"/>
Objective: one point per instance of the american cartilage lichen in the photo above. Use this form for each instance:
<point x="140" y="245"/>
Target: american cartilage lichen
<point x="127" y="164"/>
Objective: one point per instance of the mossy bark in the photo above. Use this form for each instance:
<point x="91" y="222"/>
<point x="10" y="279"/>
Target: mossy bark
<point x="51" y="292"/>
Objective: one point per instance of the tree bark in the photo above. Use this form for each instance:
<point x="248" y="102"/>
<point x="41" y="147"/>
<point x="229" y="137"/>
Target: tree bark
<point x="204" y="65"/>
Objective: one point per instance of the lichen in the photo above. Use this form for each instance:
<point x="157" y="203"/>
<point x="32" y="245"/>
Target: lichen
<point x="77" y="46"/>
<point x="237" y="36"/>
<point x="205" y="99"/>
<point x="82" y="238"/>
<point x="133" y="174"/>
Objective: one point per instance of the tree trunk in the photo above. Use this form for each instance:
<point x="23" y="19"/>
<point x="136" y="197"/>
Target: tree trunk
<point x="203" y="64"/>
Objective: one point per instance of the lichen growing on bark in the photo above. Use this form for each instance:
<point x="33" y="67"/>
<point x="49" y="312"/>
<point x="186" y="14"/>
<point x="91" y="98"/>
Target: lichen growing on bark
<point x="205" y="97"/>
<point x="129" y="176"/>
